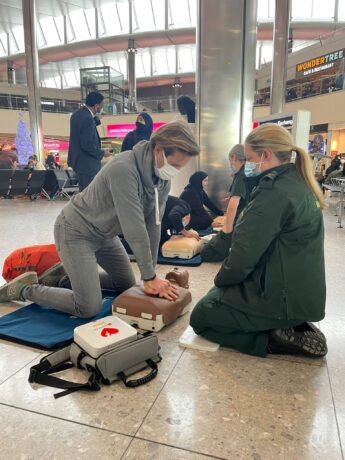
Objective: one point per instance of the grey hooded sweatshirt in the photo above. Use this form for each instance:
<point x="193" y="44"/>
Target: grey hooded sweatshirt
<point x="122" y="200"/>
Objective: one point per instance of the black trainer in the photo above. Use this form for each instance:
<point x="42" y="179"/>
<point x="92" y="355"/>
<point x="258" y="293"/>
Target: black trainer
<point x="305" y="339"/>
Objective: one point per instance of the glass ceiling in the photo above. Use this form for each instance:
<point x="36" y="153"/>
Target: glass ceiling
<point x="118" y="17"/>
<point x="163" y="60"/>
<point x="112" y="18"/>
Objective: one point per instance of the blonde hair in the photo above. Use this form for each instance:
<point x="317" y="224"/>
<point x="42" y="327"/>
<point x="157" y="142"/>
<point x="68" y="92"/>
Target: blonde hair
<point x="176" y="136"/>
<point x="279" y="141"/>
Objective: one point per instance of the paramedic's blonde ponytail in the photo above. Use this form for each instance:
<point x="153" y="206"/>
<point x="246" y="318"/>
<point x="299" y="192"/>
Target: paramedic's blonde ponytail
<point x="277" y="139"/>
<point x="304" y="166"/>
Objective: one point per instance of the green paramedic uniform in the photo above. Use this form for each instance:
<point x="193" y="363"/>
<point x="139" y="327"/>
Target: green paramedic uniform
<point x="274" y="276"/>
<point x="217" y="249"/>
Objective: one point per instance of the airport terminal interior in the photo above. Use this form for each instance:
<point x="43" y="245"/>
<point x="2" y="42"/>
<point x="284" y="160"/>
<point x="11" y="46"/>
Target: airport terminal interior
<point x="83" y="86"/>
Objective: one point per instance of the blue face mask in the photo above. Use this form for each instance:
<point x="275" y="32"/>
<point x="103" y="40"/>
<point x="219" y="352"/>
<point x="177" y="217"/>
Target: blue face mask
<point x="250" y="169"/>
<point x="99" y="112"/>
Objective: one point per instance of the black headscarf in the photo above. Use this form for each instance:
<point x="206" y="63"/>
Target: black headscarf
<point x="186" y="106"/>
<point x="145" y="130"/>
<point x="140" y="133"/>
<point x="195" y="182"/>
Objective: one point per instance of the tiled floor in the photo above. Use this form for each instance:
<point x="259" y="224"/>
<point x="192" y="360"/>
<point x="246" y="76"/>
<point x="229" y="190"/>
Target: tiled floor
<point x="202" y="405"/>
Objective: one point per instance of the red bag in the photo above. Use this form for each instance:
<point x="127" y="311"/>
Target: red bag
<point x="33" y="258"/>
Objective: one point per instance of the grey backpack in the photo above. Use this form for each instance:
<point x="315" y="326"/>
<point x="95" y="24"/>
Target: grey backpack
<point x="115" y="364"/>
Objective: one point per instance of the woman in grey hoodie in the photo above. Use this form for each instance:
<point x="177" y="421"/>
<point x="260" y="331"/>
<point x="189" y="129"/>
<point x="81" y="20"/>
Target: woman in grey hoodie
<point x="126" y="197"/>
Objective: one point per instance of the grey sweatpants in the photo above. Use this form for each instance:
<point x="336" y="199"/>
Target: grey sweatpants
<point x="81" y="256"/>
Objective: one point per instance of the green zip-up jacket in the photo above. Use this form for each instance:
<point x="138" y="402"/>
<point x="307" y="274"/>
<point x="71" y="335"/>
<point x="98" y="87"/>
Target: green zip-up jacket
<point x="276" y="264"/>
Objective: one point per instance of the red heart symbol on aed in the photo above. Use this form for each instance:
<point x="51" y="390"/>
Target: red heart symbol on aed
<point x="107" y="331"/>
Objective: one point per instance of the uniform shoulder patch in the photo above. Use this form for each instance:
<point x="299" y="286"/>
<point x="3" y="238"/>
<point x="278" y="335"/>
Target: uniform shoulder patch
<point x="268" y="180"/>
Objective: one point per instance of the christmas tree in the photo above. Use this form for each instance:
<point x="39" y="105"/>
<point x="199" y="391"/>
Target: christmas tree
<point x="23" y="142"/>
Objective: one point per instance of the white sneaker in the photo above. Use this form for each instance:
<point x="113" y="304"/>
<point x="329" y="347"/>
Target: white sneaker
<point x="12" y="290"/>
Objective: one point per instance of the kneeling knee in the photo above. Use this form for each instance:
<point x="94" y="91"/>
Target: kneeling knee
<point x="88" y="311"/>
<point x="197" y="318"/>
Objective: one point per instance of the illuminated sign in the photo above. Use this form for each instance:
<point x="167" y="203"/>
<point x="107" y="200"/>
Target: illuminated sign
<point x="286" y="122"/>
<point x="56" y="145"/>
<point x="318" y="64"/>
<point x="121" y="130"/>
<point x="48" y="145"/>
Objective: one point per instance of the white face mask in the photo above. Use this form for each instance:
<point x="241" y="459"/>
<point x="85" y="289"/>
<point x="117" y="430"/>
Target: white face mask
<point x="166" y="172"/>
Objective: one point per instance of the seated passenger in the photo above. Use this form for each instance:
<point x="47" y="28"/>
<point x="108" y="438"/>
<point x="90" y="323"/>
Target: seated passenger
<point x="6" y="164"/>
<point x="175" y="220"/>
<point x="34" y="164"/>
<point x="51" y="163"/>
<point x="273" y="281"/>
<point x="335" y="174"/>
<point x="195" y="195"/>
<point x="217" y="249"/>
<point x="9" y="159"/>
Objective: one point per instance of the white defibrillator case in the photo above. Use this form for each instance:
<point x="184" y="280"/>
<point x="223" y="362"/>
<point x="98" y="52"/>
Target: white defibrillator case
<point x="102" y="335"/>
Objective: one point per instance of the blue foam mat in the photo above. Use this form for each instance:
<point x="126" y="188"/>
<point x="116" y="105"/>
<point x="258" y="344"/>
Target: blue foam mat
<point x="43" y="327"/>
<point x="193" y="262"/>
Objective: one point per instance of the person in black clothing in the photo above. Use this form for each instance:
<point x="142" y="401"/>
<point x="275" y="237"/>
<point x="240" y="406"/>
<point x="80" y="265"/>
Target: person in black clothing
<point x="218" y="248"/>
<point x="195" y="195"/>
<point x="143" y="131"/>
<point x="335" y="165"/>
<point x="186" y="106"/>
<point x="176" y="220"/>
<point x="51" y="163"/>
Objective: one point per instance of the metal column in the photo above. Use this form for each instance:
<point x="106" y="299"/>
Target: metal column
<point x="132" y="84"/>
<point x="32" y="75"/>
<point x="226" y="43"/>
<point x="280" y="55"/>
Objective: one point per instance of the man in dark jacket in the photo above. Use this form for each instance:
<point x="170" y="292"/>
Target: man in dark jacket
<point x="143" y="131"/>
<point x="85" y="153"/>
<point x="175" y="220"/>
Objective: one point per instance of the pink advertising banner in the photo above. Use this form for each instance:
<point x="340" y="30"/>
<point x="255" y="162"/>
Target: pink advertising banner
<point x="121" y="130"/>
<point x="48" y="145"/>
<point x="56" y="145"/>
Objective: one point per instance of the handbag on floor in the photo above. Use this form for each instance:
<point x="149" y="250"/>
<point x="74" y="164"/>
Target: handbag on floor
<point x="109" y="349"/>
<point x="37" y="258"/>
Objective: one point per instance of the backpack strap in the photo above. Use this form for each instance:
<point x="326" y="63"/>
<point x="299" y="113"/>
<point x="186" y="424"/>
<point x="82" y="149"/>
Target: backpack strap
<point x="141" y="381"/>
<point x="56" y="362"/>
